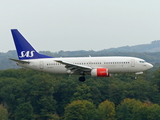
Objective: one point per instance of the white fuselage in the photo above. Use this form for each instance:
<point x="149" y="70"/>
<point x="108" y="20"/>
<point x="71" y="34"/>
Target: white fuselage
<point x="113" y="64"/>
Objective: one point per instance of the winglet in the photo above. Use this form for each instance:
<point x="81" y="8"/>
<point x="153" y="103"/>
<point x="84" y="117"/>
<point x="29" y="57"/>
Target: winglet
<point x="24" y="48"/>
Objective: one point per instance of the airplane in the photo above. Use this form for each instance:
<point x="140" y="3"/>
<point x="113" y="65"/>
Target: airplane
<point x="94" y="66"/>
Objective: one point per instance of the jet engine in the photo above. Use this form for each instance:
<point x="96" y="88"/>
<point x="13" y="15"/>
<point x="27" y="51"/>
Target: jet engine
<point x="100" y="72"/>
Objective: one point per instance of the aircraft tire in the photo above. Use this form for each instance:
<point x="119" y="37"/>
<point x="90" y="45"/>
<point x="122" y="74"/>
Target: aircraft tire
<point x="82" y="79"/>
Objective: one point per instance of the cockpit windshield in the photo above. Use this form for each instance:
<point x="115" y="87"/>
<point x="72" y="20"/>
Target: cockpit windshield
<point x="142" y="61"/>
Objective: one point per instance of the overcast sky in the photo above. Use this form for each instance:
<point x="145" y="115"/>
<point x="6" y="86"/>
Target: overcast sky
<point x="54" y="25"/>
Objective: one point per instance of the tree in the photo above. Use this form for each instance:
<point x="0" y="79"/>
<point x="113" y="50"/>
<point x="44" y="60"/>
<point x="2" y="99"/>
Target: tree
<point x="115" y="93"/>
<point x="87" y="92"/>
<point x="64" y="90"/>
<point x="153" y="112"/>
<point x="106" y="110"/>
<point x="41" y="95"/>
<point x="127" y="108"/>
<point x="80" y="110"/>
<point x="34" y="93"/>
<point x="140" y="111"/>
<point x="24" y="112"/>
<point x="3" y="113"/>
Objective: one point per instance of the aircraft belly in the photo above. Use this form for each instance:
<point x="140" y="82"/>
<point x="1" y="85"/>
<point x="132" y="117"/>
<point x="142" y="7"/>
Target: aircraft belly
<point x="118" y="68"/>
<point x="26" y="65"/>
<point x="57" y="70"/>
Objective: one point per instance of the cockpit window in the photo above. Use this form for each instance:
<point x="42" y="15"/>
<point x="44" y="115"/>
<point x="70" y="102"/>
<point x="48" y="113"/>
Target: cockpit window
<point x="142" y="61"/>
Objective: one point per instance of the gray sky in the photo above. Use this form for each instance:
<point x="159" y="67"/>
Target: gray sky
<point x="54" y="25"/>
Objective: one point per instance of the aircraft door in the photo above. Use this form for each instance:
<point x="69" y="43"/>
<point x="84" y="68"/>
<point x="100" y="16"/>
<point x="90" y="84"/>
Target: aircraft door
<point x="132" y="62"/>
<point x="41" y="65"/>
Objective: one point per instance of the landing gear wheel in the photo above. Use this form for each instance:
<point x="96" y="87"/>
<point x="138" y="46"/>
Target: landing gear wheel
<point x="82" y="79"/>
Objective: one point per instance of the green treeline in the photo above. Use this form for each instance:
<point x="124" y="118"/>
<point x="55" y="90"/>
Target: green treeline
<point x="31" y="95"/>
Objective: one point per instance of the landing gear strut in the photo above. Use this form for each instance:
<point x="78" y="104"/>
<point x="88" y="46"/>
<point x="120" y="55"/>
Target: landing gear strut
<point x="82" y="79"/>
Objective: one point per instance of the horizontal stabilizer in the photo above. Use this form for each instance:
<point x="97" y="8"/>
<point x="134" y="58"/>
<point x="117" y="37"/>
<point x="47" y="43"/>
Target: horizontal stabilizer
<point x="19" y="61"/>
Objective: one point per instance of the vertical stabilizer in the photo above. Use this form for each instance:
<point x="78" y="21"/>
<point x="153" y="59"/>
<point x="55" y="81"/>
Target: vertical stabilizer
<point x="24" y="48"/>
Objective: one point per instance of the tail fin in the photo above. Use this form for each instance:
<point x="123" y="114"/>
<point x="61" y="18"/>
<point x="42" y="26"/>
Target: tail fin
<point x="24" y="49"/>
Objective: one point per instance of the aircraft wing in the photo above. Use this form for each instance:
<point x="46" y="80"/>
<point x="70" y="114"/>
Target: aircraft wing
<point x="19" y="61"/>
<point x="74" y="67"/>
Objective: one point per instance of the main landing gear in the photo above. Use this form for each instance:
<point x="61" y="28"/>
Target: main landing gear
<point x="82" y="78"/>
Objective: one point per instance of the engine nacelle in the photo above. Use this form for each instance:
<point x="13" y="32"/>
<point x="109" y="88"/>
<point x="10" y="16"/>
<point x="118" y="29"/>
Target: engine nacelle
<point x="100" y="72"/>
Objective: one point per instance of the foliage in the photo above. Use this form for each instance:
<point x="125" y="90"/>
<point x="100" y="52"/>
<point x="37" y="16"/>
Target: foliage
<point x="28" y="94"/>
<point x="24" y="111"/>
<point x="126" y="110"/>
<point x="80" y="110"/>
<point x="153" y="112"/>
<point x="106" y="110"/>
<point x="3" y="113"/>
<point x="131" y="109"/>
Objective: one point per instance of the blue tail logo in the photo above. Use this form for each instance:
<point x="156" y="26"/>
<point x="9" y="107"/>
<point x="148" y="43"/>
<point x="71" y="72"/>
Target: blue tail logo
<point x="27" y="54"/>
<point x="23" y="47"/>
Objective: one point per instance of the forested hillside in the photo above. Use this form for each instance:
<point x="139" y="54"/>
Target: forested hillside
<point x="5" y="63"/>
<point x="154" y="46"/>
<point x="31" y="95"/>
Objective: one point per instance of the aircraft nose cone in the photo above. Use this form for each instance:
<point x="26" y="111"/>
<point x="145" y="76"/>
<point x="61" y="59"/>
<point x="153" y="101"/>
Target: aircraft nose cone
<point x="149" y="66"/>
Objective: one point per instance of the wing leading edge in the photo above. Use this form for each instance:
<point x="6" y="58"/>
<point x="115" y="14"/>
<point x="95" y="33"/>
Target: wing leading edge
<point x="75" y="67"/>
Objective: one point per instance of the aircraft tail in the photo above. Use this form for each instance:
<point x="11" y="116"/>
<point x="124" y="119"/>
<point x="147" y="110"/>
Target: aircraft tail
<point x="24" y="48"/>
